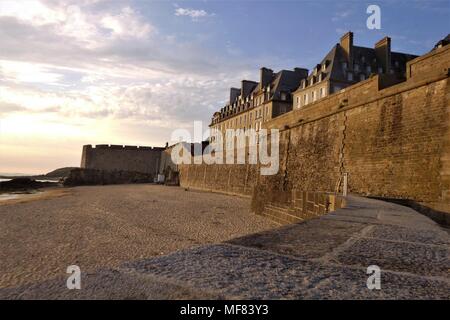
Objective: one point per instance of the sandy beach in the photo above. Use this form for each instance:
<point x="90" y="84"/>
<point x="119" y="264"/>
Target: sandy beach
<point x="104" y="226"/>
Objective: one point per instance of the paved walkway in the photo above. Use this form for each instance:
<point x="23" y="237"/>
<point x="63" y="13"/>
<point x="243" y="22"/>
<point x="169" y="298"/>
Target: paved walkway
<point x="324" y="258"/>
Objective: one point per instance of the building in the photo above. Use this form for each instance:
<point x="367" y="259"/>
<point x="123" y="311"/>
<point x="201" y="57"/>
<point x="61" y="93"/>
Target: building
<point x="347" y="64"/>
<point x="258" y="102"/>
<point x="443" y="42"/>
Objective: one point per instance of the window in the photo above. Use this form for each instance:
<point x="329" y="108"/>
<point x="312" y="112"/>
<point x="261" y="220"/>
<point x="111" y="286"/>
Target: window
<point x="356" y="67"/>
<point x="337" y="88"/>
<point x="362" y="77"/>
<point x="380" y="70"/>
<point x="344" y="66"/>
<point x="283" y="96"/>
<point x="311" y="81"/>
<point x="313" y="96"/>
<point x="305" y="99"/>
<point x="369" y="69"/>
<point x="298" y="101"/>
<point x="350" y="76"/>
<point x="322" y="92"/>
<point x="324" y="67"/>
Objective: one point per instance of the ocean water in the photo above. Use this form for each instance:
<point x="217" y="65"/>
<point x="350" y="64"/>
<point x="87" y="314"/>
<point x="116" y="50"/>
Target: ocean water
<point x="18" y="195"/>
<point x="9" y="196"/>
<point x="39" y="180"/>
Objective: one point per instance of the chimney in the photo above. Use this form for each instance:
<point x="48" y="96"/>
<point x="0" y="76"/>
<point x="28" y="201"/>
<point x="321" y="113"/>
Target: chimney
<point x="347" y="46"/>
<point x="234" y="93"/>
<point x="302" y="72"/>
<point x="383" y="53"/>
<point x="265" y="77"/>
<point x="246" y="88"/>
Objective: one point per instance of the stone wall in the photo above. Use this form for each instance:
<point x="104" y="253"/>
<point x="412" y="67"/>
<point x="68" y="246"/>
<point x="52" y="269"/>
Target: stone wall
<point x="80" y="177"/>
<point x="393" y="141"/>
<point x="296" y="206"/>
<point x="237" y="179"/>
<point x="122" y="158"/>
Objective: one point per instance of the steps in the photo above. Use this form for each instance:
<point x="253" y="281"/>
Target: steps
<point x="281" y="214"/>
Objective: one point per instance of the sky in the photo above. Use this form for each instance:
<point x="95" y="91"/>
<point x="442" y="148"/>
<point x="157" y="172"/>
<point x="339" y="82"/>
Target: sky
<point x="130" y="72"/>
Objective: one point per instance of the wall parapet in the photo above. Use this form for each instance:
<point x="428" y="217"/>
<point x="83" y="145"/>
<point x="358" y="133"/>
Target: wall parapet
<point x="124" y="147"/>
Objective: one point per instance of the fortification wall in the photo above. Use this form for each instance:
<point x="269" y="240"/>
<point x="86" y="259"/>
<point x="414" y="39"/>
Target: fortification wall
<point x="239" y="179"/>
<point x="393" y="142"/>
<point x="121" y="158"/>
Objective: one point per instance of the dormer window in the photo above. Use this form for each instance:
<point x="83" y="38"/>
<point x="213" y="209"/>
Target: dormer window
<point x="311" y="81"/>
<point x="283" y="96"/>
<point x="349" y="76"/>
<point x="324" y="66"/>
<point x="303" y="84"/>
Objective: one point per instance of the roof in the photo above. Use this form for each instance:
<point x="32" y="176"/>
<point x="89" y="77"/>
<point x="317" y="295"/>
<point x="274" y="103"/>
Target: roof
<point x="362" y="56"/>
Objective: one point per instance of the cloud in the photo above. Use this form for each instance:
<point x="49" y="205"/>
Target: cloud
<point x="101" y="72"/>
<point x="195" y="15"/>
<point x="341" y="15"/>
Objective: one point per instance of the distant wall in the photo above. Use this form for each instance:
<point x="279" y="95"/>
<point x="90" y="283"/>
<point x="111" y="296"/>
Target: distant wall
<point x="81" y="176"/>
<point x="121" y="158"/>
<point x="393" y="141"/>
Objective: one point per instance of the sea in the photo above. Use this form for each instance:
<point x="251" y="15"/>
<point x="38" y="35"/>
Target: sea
<point x="38" y="180"/>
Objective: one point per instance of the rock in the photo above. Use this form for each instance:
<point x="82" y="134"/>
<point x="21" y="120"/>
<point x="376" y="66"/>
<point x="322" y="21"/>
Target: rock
<point x="24" y="184"/>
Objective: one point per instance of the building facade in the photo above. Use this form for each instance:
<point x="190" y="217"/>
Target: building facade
<point x="347" y="64"/>
<point x="257" y="102"/>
